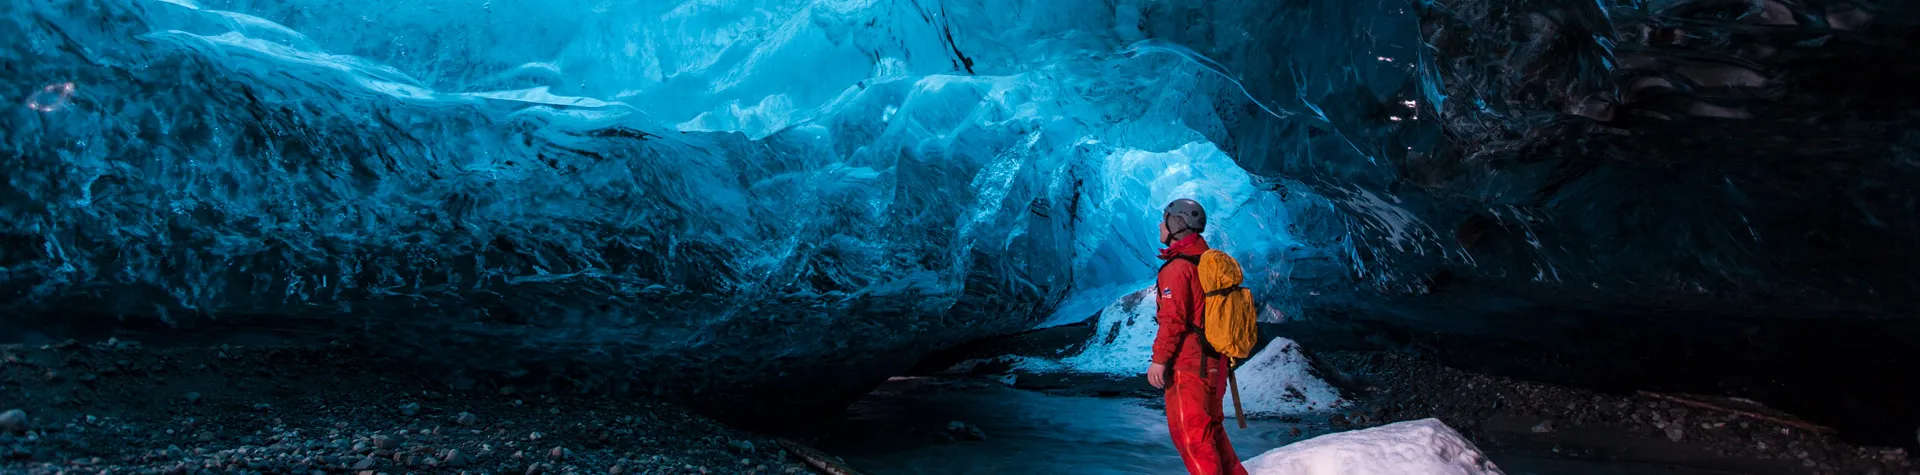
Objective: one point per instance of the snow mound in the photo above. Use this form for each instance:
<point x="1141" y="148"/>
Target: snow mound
<point x="1424" y="447"/>
<point x="1122" y="343"/>
<point x="1277" y="381"/>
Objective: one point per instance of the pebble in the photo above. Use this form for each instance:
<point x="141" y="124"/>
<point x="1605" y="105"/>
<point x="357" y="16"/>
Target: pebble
<point x="14" y="420"/>
<point x="1675" y="433"/>
<point x="466" y="419"/>
<point x="385" y="443"/>
<point x="410" y="408"/>
<point x="966" y="431"/>
<point x="1543" y="427"/>
<point x="364" y="463"/>
<point x="741" y="445"/>
<point x="193" y="398"/>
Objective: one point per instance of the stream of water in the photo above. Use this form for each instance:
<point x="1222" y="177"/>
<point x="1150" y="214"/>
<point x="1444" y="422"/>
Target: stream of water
<point x="902" y="429"/>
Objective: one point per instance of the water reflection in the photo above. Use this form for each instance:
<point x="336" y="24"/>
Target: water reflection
<point x="902" y="428"/>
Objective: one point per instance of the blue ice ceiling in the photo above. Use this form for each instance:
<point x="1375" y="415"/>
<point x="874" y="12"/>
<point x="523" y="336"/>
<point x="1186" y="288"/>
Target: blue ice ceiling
<point x="788" y="189"/>
<point x="804" y="196"/>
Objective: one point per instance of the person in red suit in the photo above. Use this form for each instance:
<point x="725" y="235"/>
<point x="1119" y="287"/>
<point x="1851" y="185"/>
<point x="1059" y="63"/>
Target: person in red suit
<point x="1194" y="377"/>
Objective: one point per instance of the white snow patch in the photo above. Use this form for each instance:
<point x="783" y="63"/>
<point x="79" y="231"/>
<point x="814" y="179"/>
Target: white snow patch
<point x="1122" y="343"/>
<point x="1276" y="381"/>
<point x="1426" y="447"/>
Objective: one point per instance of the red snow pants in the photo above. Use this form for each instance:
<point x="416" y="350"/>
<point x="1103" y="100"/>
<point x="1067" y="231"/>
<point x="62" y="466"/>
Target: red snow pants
<point x="1195" y="419"/>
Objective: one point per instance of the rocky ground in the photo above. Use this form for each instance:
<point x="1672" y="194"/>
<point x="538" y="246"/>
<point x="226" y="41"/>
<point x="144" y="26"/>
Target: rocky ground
<point x="116" y="407"/>
<point x="1511" y="419"/>
<point x="1519" y="416"/>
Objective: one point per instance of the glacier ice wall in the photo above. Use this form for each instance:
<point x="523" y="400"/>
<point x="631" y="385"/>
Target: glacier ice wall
<point x="802" y="196"/>
<point x="781" y="199"/>
<point x="1705" y="196"/>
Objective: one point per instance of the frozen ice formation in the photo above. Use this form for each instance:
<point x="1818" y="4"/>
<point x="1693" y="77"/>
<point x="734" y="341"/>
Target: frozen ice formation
<point x="746" y="199"/>
<point x="802" y="197"/>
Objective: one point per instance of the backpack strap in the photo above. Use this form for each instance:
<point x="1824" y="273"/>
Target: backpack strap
<point x="1225" y="290"/>
<point x="1206" y="350"/>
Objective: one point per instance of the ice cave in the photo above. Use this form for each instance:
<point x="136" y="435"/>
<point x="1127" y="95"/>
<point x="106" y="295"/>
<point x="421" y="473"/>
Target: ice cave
<point x="919" y="236"/>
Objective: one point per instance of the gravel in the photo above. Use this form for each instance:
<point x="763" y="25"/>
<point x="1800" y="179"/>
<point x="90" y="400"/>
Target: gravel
<point x="1396" y="387"/>
<point x="304" y="410"/>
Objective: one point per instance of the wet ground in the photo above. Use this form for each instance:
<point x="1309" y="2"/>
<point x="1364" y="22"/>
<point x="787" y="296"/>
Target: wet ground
<point x="116" y="407"/>
<point x="1531" y="424"/>
<point x="908" y="426"/>
<point x="1104" y="425"/>
<point x="925" y="426"/>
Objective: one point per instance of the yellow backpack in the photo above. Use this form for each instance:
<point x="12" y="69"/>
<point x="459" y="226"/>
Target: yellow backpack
<point x="1230" y="328"/>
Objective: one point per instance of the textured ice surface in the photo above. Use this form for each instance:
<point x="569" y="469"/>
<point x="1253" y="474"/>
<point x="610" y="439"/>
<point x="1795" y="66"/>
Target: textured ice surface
<point x="1126" y="204"/>
<point x="793" y="195"/>
<point x="814" y="193"/>
<point x="1425" y="446"/>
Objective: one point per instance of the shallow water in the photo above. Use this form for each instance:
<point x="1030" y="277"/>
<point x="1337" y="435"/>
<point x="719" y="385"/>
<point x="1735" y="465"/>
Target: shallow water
<point x="901" y="428"/>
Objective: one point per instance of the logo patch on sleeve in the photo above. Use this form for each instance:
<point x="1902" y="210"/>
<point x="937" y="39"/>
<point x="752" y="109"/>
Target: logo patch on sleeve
<point x="1166" y="293"/>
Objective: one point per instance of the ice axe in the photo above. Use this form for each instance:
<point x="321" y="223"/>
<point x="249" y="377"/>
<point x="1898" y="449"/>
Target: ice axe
<point x="1233" y="383"/>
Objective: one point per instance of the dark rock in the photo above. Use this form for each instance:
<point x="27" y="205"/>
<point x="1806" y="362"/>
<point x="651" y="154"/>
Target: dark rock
<point x="14" y="420"/>
<point x="966" y="431"/>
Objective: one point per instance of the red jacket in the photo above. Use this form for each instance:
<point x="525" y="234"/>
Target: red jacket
<point x="1180" y="303"/>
